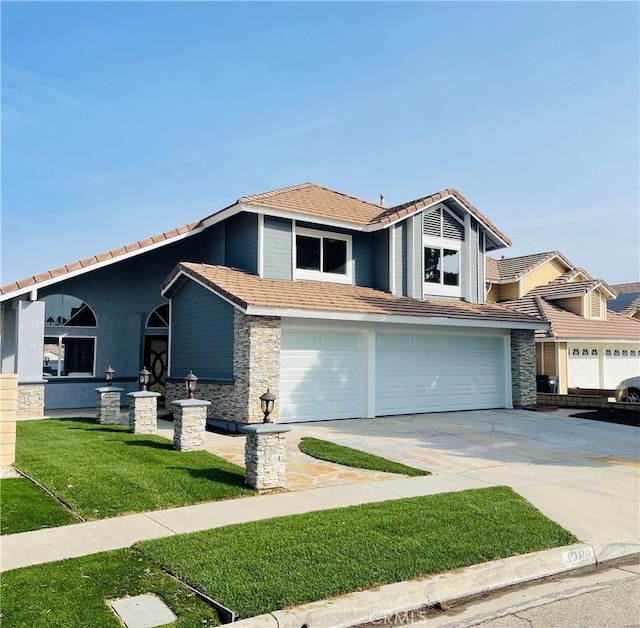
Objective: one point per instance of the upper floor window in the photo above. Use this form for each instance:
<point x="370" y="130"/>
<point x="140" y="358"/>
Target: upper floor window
<point x="63" y="310"/>
<point x="441" y="266"/>
<point x="323" y="256"/>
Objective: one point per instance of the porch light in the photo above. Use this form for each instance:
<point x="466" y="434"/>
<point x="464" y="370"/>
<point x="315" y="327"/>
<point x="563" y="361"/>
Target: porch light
<point x="143" y="377"/>
<point x="266" y="405"/>
<point x="190" y="382"/>
<point x="108" y="375"/>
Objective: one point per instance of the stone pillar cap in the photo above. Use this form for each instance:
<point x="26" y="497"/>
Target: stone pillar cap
<point x="265" y="428"/>
<point x="191" y="403"/>
<point x="109" y="389"/>
<point x="143" y="393"/>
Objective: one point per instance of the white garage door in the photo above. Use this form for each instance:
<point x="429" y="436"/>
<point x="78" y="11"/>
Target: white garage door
<point x="322" y="375"/>
<point x="434" y="372"/>
<point x="583" y="367"/>
<point x="619" y="363"/>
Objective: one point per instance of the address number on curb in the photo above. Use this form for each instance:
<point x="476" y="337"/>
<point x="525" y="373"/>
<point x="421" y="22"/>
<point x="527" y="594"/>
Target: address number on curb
<point x="578" y="556"/>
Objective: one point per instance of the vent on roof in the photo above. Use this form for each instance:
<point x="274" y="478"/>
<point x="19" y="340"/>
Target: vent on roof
<point x="440" y="223"/>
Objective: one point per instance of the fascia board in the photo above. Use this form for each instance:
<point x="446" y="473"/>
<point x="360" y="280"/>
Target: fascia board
<point x="98" y="265"/>
<point x="398" y="319"/>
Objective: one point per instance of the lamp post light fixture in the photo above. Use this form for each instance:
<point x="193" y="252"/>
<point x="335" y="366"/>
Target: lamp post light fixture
<point x="108" y="375"/>
<point x="143" y="377"/>
<point x="190" y="382"/>
<point x="266" y="405"/>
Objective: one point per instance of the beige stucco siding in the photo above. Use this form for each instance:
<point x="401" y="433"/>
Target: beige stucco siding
<point x="561" y="352"/>
<point x="573" y="304"/>
<point x="543" y="275"/>
<point x="507" y="291"/>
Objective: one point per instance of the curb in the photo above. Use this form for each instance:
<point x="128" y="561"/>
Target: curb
<point x="387" y="601"/>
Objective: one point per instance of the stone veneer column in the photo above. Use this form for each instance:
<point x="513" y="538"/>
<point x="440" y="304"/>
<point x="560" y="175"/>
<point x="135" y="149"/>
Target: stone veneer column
<point x="523" y="367"/>
<point x="143" y="412"/>
<point x="108" y="405"/>
<point x="265" y="455"/>
<point x="256" y="364"/>
<point x="189" y="424"/>
<point x="31" y="400"/>
<point x="8" y="406"/>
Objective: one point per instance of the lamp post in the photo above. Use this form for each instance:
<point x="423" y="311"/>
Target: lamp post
<point x="190" y="382"/>
<point x="266" y="405"/>
<point x="109" y="374"/>
<point x="143" y="377"/>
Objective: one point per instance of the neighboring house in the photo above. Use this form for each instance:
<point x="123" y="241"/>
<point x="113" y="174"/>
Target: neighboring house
<point x="627" y="301"/>
<point x="343" y="308"/>
<point x="585" y="346"/>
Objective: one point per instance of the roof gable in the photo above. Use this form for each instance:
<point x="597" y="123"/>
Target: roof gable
<point x="510" y="269"/>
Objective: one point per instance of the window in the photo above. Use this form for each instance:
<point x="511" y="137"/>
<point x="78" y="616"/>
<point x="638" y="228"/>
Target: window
<point x="159" y="317"/>
<point x="441" y="266"/>
<point x="63" y="310"/>
<point x="322" y="256"/>
<point x="68" y="356"/>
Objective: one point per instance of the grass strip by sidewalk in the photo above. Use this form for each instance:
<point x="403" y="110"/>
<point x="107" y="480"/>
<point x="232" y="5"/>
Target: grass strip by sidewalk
<point x="260" y="567"/>
<point x="326" y="450"/>
<point x="103" y="470"/>
<point x="74" y="592"/>
<point x="23" y="507"/>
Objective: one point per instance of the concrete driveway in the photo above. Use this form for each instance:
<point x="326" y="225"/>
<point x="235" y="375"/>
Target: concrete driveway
<point x="582" y="474"/>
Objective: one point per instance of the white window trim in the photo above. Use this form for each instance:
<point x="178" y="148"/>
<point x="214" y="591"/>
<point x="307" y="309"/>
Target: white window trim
<point x="440" y="289"/>
<point x="319" y="275"/>
<point x="95" y="354"/>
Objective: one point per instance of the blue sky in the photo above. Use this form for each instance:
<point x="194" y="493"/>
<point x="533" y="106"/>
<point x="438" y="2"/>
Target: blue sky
<point x="121" y="120"/>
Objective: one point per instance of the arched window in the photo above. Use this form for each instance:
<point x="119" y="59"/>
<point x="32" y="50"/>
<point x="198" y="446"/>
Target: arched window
<point x="159" y="317"/>
<point x="63" y="310"/>
<point x="67" y="355"/>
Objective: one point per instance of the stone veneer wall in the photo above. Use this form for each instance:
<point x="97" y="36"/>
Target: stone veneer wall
<point x="30" y="401"/>
<point x="256" y="368"/>
<point x="8" y="403"/>
<point x="523" y="367"/>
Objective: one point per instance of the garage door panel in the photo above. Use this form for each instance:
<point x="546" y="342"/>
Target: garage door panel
<point x="438" y="372"/>
<point x="321" y="375"/>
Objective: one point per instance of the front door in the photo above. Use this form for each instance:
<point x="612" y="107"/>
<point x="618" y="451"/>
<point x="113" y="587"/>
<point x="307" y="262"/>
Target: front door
<point x="155" y="359"/>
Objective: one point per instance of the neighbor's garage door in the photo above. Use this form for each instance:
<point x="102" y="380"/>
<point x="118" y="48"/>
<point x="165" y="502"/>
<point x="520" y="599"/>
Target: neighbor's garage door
<point x="321" y="375"/>
<point x="583" y="367"/>
<point x="619" y="363"/>
<point x="430" y="372"/>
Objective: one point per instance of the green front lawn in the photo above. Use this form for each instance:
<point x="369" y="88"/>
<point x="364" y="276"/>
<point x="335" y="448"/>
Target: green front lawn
<point x="259" y="567"/>
<point x="103" y="470"/>
<point x="326" y="450"/>
<point x="24" y="506"/>
<point x="74" y="592"/>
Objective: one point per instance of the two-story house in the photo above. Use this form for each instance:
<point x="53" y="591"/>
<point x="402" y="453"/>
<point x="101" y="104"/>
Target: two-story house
<point x="586" y="346"/>
<point x="341" y="307"/>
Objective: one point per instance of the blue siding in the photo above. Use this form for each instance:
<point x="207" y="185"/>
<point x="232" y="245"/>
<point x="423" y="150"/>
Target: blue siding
<point x="122" y="296"/>
<point x="241" y="242"/>
<point x="381" y="260"/>
<point x="201" y="334"/>
<point x="277" y="248"/>
<point x="363" y="255"/>
<point x="400" y="236"/>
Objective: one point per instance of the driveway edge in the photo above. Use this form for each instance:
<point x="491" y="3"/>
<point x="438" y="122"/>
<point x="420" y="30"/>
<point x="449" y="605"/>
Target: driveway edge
<point x="387" y="601"/>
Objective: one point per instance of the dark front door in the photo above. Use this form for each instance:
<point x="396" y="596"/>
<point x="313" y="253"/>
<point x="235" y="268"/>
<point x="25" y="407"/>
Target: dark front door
<point x="155" y="359"/>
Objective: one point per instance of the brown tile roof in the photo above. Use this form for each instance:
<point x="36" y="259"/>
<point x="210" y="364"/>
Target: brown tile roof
<point x="563" y="290"/>
<point x="566" y="325"/>
<point x="406" y="209"/>
<point x="625" y="288"/>
<point x="513" y="268"/>
<point x="316" y="201"/>
<point x="92" y="261"/>
<point x="248" y="290"/>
